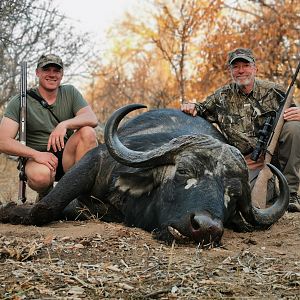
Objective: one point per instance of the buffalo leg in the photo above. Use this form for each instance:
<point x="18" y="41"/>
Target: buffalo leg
<point x="77" y="181"/>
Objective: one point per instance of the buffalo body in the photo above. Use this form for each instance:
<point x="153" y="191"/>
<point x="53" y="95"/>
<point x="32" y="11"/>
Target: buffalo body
<point x="163" y="171"/>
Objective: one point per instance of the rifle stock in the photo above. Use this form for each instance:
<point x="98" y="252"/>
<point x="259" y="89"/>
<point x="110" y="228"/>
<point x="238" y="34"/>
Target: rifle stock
<point x="22" y="131"/>
<point x="259" y="190"/>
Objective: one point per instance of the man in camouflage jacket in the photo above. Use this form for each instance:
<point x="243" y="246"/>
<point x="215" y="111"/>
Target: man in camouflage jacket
<point x="240" y="110"/>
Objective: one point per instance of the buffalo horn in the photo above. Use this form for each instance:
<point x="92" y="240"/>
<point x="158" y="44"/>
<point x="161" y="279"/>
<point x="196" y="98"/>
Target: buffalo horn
<point x="117" y="150"/>
<point x="267" y="216"/>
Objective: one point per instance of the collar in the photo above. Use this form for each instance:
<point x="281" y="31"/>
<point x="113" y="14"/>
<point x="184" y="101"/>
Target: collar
<point x="253" y="93"/>
<point x="255" y="90"/>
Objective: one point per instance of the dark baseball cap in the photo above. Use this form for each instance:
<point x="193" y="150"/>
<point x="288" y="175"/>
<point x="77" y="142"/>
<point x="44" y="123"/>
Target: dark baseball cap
<point x="242" y="54"/>
<point x="47" y="59"/>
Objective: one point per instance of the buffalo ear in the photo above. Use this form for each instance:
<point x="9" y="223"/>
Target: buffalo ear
<point x="136" y="184"/>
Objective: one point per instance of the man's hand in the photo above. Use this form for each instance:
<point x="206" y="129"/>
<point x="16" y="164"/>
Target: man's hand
<point x="56" y="138"/>
<point x="292" y="114"/>
<point x="46" y="158"/>
<point x="189" y="108"/>
<point x="254" y="165"/>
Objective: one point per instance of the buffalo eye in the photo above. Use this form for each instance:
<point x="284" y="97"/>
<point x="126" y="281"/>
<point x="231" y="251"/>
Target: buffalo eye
<point x="183" y="172"/>
<point x="188" y="167"/>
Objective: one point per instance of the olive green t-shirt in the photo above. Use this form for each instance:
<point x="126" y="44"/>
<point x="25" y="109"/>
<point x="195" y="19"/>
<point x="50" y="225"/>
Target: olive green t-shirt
<point x="40" y="122"/>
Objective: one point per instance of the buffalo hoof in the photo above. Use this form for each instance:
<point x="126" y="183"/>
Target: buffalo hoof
<point x="26" y="214"/>
<point x="41" y="214"/>
<point x="14" y="214"/>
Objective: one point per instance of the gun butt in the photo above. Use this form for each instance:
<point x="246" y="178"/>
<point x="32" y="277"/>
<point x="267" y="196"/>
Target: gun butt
<point x="22" y="191"/>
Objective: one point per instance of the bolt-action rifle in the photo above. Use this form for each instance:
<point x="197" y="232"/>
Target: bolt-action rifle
<point x="22" y="131"/>
<point x="267" y="143"/>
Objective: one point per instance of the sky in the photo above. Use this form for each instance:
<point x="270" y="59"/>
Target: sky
<point x="94" y="16"/>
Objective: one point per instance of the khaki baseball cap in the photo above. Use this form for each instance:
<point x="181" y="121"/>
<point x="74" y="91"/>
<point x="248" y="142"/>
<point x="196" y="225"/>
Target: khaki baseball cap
<point x="241" y="53"/>
<point x="47" y="59"/>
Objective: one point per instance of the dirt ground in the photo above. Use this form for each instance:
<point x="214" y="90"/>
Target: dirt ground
<point x="96" y="260"/>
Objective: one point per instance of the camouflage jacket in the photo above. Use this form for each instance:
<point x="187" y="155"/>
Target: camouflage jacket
<point x="240" y="116"/>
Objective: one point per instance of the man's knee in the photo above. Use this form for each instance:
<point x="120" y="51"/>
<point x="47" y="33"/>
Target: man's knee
<point x="291" y="129"/>
<point x="87" y="135"/>
<point x="83" y="140"/>
<point x="39" y="177"/>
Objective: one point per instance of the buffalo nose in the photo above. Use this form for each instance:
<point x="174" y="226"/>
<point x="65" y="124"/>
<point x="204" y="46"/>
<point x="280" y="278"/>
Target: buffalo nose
<point x="205" y="229"/>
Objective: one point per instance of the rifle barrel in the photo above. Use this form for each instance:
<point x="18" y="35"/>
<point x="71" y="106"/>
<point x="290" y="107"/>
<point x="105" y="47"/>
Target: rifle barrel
<point x="22" y="131"/>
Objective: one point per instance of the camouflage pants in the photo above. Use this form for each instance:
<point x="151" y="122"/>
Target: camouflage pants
<point x="289" y="153"/>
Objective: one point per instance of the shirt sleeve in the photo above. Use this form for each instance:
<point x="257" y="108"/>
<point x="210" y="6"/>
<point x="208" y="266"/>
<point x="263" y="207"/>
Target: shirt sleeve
<point x="280" y="90"/>
<point x="207" y="108"/>
<point x="79" y="102"/>
<point x="13" y="109"/>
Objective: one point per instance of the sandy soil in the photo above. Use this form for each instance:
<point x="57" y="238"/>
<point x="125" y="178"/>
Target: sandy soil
<point x="96" y="260"/>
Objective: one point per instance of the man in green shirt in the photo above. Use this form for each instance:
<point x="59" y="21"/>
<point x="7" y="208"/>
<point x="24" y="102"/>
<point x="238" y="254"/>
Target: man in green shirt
<point x="240" y="109"/>
<point x="55" y="140"/>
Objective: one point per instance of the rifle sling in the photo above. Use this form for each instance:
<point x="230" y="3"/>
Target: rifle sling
<point x="43" y="102"/>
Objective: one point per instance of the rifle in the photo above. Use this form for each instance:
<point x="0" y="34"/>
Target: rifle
<point x="267" y="145"/>
<point x="22" y="131"/>
<point x="265" y="135"/>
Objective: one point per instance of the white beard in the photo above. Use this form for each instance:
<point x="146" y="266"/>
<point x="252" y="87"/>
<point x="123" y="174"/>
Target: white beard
<point x="244" y="82"/>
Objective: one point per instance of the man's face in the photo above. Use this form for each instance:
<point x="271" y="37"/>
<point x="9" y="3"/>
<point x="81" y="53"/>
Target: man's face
<point x="243" y="73"/>
<point x="49" y="76"/>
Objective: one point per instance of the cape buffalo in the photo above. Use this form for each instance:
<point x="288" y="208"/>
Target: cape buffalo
<point x="163" y="171"/>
